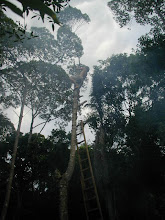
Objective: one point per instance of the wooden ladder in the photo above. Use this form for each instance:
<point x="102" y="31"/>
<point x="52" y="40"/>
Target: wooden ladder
<point x="89" y="190"/>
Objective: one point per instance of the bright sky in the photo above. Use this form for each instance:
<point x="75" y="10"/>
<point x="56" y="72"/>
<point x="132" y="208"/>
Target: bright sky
<point x="101" y="38"/>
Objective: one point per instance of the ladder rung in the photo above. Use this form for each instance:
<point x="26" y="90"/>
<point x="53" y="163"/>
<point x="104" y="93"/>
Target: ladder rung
<point x="91" y="187"/>
<point x="91" y="198"/>
<point x="79" y="133"/>
<point x="92" y="210"/>
<point x="80" y="142"/>
<point x="88" y="178"/>
<point x="82" y="160"/>
<point x="87" y="168"/>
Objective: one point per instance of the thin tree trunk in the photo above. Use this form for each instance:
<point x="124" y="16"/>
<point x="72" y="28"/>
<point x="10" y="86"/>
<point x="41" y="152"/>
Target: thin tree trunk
<point x="108" y="190"/>
<point x="63" y="198"/>
<point x="11" y="174"/>
<point x="102" y="173"/>
<point x="31" y="129"/>
<point x="68" y="174"/>
<point x="19" y="206"/>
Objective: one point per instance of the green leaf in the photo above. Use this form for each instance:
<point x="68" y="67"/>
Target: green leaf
<point x="53" y="27"/>
<point x="42" y="8"/>
<point x="33" y="16"/>
<point x="27" y="12"/>
<point x="54" y="8"/>
<point x="12" y="7"/>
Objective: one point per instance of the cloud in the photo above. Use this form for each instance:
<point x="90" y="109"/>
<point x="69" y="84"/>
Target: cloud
<point x="103" y="37"/>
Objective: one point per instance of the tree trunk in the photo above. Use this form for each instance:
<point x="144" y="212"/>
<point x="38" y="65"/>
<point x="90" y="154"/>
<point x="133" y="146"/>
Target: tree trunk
<point x="31" y="129"/>
<point x="102" y="173"/>
<point x="64" y="182"/>
<point x="11" y="174"/>
<point x="19" y="205"/>
<point x="68" y="174"/>
<point x="63" y="199"/>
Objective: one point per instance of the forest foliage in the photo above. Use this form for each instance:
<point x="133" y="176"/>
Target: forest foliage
<point x="127" y="113"/>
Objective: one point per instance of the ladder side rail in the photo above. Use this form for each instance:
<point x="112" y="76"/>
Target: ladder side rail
<point x="82" y="184"/>
<point x="85" y="205"/>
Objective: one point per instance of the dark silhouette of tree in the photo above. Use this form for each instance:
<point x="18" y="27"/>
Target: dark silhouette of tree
<point x="126" y="93"/>
<point x="35" y="178"/>
<point x="148" y="12"/>
<point x="32" y="84"/>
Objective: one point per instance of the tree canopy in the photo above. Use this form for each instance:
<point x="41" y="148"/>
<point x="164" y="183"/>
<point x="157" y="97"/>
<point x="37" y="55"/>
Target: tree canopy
<point x="49" y="8"/>
<point x="127" y="103"/>
<point x="145" y="12"/>
<point x="73" y="18"/>
<point x="126" y="112"/>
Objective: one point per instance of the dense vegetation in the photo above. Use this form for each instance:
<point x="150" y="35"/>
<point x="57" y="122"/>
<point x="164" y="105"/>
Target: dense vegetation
<point x="127" y="112"/>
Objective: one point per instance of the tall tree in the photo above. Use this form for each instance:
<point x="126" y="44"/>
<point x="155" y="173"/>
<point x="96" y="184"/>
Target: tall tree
<point x="126" y="90"/>
<point x="66" y="177"/>
<point x="108" y="121"/>
<point x="38" y="87"/>
<point x="55" y="52"/>
<point x="11" y="174"/>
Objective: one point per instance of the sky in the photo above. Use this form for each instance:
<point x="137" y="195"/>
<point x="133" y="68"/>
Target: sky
<point x="101" y="38"/>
